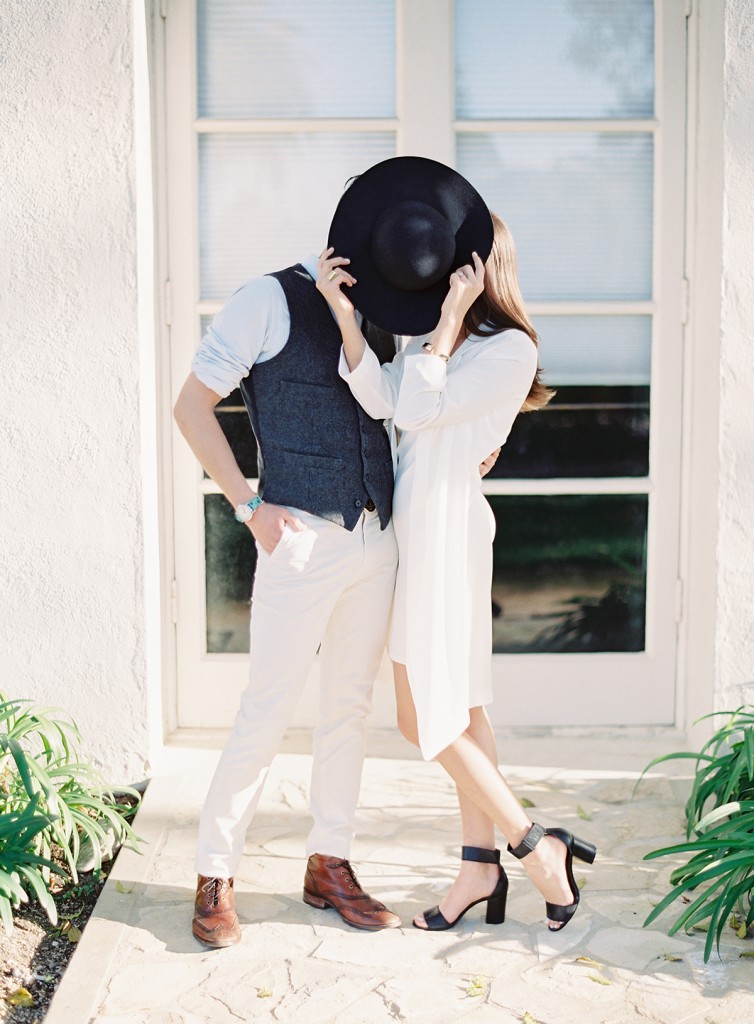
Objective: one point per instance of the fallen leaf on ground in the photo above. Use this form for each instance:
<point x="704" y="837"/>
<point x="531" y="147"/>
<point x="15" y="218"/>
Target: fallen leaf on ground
<point x="599" y="979"/>
<point x="264" y="993"/>
<point x="742" y="931"/>
<point x="581" y="882"/>
<point x="477" y="986"/>
<point x="21" y="997"/>
<point x="749" y="954"/>
<point x="582" y="813"/>
<point x="73" y="934"/>
<point x="588" y="960"/>
<point x="122" y="887"/>
<point x="526" y="802"/>
<point x="672" y="957"/>
<point x="528" y="1019"/>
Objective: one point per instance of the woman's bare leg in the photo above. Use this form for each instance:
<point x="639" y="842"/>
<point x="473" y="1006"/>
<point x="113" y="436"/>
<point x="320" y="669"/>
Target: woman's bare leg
<point x="471" y="761"/>
<point x="474" y="880"/>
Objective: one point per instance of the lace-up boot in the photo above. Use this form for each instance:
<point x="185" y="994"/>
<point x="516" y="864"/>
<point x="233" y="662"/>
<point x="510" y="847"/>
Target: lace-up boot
<point x="215" y="919"/>
<point x="332" y="882"/>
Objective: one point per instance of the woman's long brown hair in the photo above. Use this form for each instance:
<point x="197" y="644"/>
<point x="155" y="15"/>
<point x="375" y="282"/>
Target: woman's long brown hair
<point x="501" y="306"/>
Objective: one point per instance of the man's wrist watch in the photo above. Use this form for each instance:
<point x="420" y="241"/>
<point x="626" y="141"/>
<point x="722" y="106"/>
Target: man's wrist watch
<point x="245" y="512"/>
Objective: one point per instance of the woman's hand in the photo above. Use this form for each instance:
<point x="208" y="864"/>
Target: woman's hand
<point x="466" y="285"/>
<point x="331" y="274"/>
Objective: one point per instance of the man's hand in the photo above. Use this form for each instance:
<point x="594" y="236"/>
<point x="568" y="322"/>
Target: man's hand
<point x="488" y="463"/>
<point x="268" y="522"/>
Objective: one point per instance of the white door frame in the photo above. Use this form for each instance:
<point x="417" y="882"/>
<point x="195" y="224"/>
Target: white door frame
<point x="516" y="673"/>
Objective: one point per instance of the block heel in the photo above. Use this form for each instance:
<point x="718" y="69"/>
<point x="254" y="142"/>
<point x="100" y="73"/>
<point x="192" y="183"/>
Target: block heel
<point x="496" y="903"/>
<point x="315" y="901"/>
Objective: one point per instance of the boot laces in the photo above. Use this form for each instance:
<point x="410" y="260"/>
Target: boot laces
<point x="215" y="888"/>
<point x="350" y="873"/>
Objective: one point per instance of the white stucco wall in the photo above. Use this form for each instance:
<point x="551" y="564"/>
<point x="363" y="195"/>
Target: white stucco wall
<point x="735" y="583"/>
<point x="72" y="621"/>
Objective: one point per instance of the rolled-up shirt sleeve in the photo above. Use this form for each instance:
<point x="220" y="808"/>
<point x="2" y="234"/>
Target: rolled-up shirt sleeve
<point x="252" y="325"/>
<point x="374" y="387"/>
<point x="500" y="374"/>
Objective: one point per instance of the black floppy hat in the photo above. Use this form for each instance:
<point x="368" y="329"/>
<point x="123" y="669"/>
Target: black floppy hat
<point x="406" y="224"/>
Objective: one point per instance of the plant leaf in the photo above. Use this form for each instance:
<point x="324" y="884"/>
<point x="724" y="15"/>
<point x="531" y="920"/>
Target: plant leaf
<point x="21" y="997"/>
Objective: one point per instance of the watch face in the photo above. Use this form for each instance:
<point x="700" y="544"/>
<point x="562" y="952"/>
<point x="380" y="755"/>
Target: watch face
<point x="243" y="513"/>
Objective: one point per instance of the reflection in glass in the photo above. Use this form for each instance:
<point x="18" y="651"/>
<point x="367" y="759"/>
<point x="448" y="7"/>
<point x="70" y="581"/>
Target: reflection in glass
<point x="283" y="58"/>
<point x="579" y="206"/>
<point x="583" y="432"/>
<point x="266" y="201"/>
<point x="569" y="573"/>
<point x="554" y="59"/>
<point x="230" y="557"/>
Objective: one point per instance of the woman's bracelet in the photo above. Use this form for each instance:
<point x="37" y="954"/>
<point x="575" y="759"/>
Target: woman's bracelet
<point x="430" y="349"/>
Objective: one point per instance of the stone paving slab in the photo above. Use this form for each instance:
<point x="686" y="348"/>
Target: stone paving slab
<point x="138" y="963"/>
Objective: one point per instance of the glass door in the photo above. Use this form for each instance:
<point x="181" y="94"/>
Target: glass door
<point x="569" y="119"/>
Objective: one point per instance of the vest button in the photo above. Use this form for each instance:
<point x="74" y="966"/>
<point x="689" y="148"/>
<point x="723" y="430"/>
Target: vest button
<point x="357" y="503"/>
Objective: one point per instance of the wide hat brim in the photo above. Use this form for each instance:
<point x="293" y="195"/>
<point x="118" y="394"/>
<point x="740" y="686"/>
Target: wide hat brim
<point x="406" y="179"/>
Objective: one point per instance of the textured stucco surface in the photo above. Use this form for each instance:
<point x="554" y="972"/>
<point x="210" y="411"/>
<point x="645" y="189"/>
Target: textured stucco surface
<point x="72" y="628"/>
<point x="735" y="582"/>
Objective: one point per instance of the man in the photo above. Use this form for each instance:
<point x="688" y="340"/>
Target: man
<point x="325" y="574"/>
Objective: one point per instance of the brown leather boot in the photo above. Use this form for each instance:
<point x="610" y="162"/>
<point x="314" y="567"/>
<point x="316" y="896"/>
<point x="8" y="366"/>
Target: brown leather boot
<point x="331" y="882"/>
<point x="215" y="920"/>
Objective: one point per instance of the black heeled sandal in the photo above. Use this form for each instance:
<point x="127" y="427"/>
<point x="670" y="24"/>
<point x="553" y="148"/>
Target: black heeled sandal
<point x="576" y="848"/>
<point x="436" y="921"/>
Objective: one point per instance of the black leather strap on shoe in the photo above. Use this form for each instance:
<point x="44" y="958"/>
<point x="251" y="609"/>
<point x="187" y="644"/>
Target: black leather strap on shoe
<point x="435" y="920"/>
<point x="530" y="840"/>
<point x="480" y="855"/>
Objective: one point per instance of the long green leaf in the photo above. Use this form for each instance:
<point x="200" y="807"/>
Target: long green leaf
<point x="41" y="892"/>
<point x="6" y="913"/>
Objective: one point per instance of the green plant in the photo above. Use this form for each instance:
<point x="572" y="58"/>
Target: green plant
<point x="49" y="801"/>
<point x="19" y="863"/>
<point x="719" y="833"/>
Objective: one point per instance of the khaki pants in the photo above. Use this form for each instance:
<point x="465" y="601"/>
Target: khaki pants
<point x="327" y="586"/>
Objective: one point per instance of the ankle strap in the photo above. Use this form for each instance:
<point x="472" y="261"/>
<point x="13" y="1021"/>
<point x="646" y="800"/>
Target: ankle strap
<point x="478" y="854"/>
<point x="529" y="841"/>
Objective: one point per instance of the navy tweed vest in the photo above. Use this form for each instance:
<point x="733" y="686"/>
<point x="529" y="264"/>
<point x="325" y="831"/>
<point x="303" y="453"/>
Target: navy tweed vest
<point x="318" y="450"/>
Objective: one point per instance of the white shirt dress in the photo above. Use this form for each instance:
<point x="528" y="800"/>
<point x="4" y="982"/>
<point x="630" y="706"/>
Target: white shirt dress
<point x="448" y="417"/>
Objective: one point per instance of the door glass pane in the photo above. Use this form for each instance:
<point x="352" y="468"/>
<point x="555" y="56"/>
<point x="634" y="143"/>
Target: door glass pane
<point x="284" y="58"/>
<point x="579" y="206"/>
<point x="569" y="573"/>
<point x="598" y="422"/>
<point x="595" y="349"/>
<point x="266" y="201"/>
<point x="231" y="557"/>
<point x="554" y="58"/>
<point x="583" y="432"/>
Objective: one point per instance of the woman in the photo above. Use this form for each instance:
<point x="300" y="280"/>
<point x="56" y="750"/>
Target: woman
<point x="453" y="397"/>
